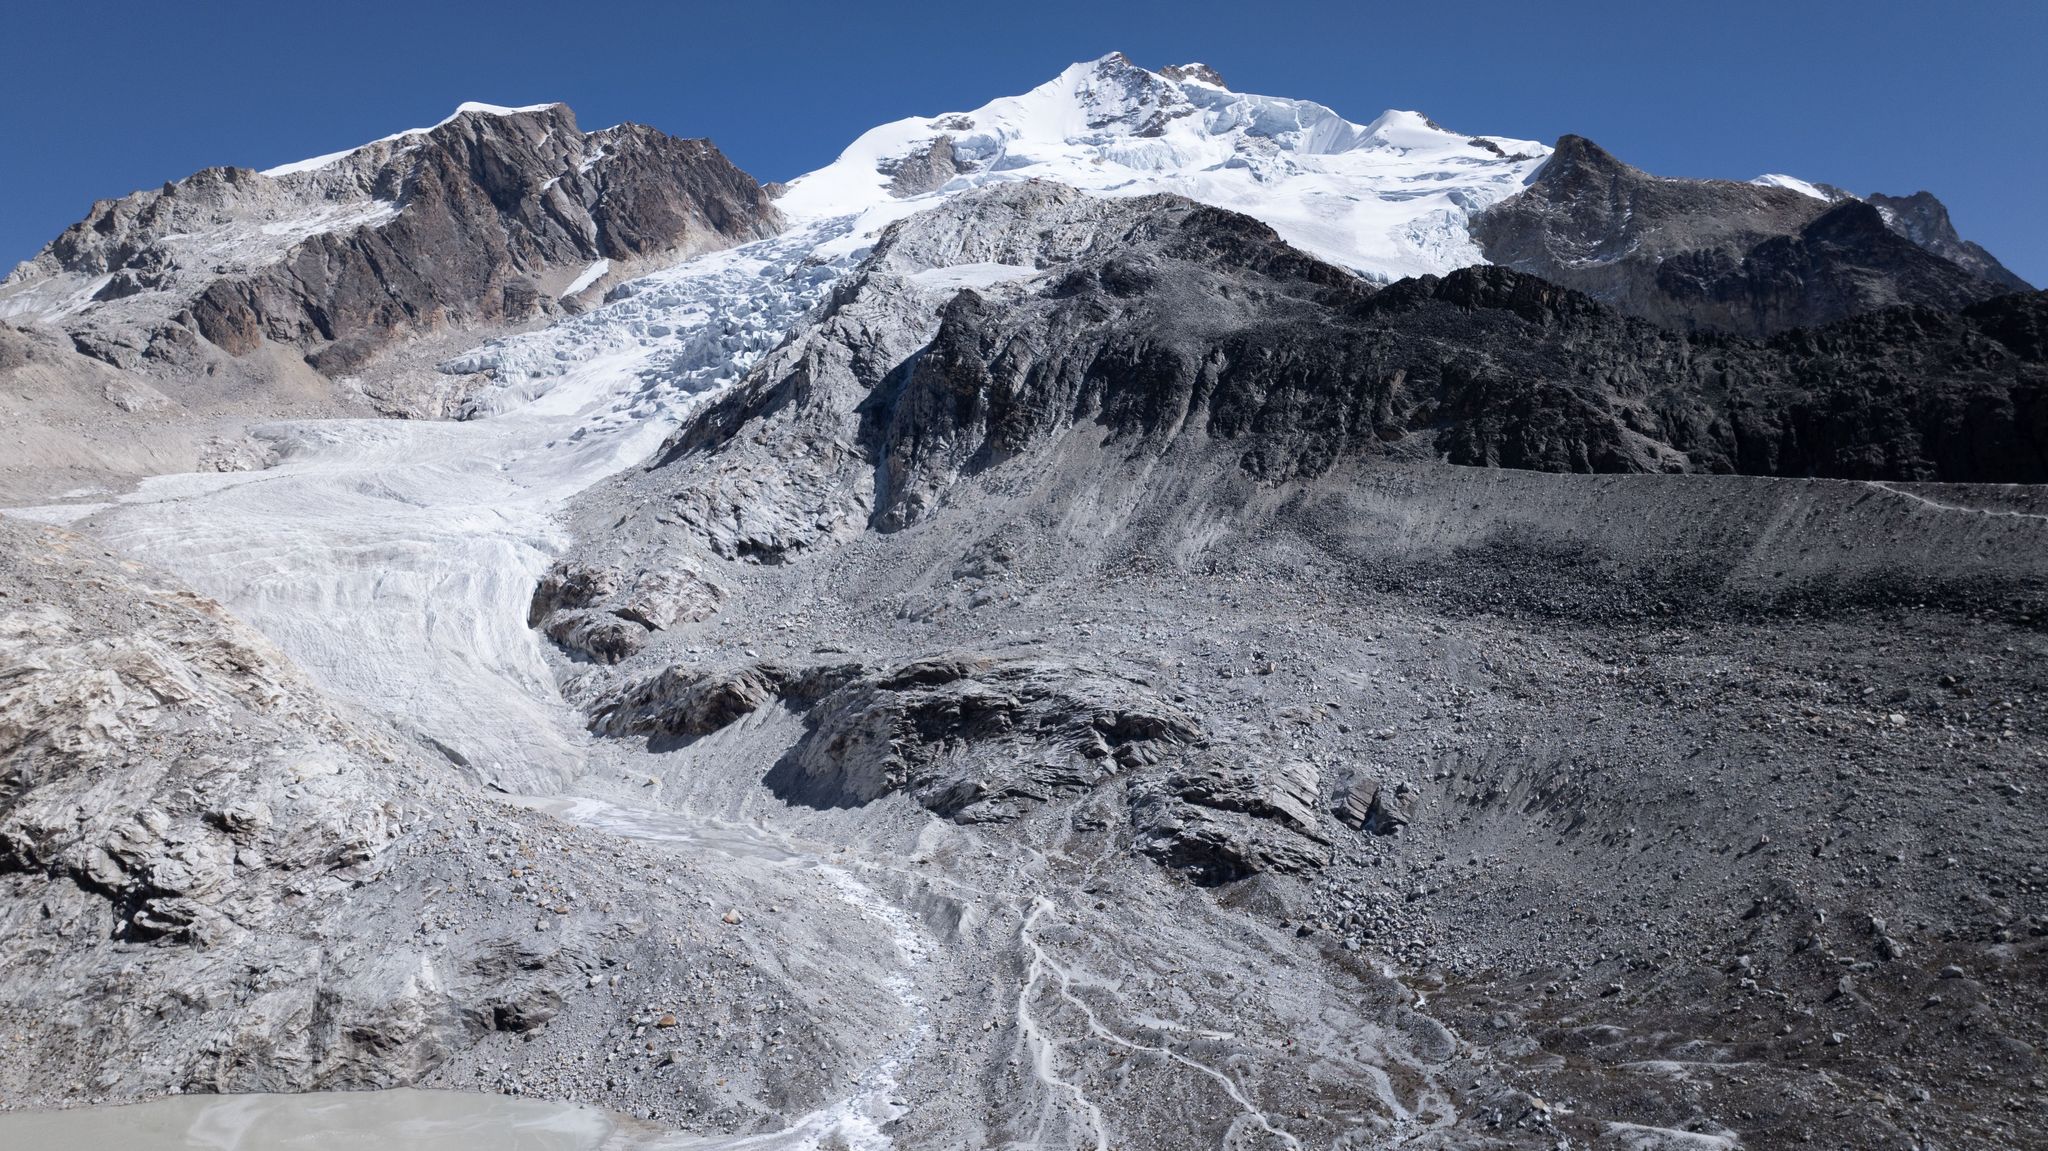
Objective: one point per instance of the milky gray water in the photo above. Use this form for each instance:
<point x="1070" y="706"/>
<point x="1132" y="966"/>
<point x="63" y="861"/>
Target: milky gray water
<point x="402" y="1120"/>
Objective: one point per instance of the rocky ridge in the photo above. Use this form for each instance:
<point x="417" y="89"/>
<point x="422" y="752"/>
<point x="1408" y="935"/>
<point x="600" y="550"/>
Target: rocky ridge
<point x="1751" y="259"/>
<point x="1158" y="322"/>
<point x="492" y="216"/>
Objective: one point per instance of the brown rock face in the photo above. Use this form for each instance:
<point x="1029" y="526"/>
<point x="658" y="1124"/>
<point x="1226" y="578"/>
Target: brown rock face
<point x="480" y="220"/>
<point x="491" y="204"/>
<point x="925" y="171"/>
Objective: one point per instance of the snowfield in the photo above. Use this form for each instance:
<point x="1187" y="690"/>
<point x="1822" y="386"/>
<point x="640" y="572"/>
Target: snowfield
<point x="1387" y="199"/>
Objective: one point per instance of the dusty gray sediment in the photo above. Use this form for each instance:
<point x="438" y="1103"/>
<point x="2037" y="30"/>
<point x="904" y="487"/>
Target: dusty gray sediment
<point x="1678" y="807"/>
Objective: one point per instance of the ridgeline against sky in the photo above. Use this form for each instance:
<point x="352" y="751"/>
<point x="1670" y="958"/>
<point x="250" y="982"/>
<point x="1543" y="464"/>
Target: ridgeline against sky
<point x="1869" y="97"/>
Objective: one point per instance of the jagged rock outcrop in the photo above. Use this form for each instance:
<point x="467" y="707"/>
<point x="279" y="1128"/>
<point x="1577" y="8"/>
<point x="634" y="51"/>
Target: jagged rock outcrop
<point x="600" y="614"/>
<point x="970" y="736"/>
<point x="488" y="217"/>
<point x="1751" y="259"/>
<point x="1368" y="805"/>
<point x="1845" y="263"/>
<point x="983" y="739"/>
<point x="1221" y="821"/>
<point x="926" y="171"/>
<point x="967" y="735"/>
<point x="682" y="703"/>
<point x="1198" y="72"/>
<point x="1924" y="220"/>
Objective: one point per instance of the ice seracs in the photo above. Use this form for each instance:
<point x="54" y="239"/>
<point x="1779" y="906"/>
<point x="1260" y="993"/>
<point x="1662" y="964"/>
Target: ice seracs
<point x="1386" y="199"/>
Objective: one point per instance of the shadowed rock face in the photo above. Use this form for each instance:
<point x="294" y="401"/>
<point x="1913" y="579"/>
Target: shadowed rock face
<point x="1213" y="330"/>
<point x="485" y="218"/>
<point x="1845" y="263"/>
<point x="1718" y="255"/>
<point x="1176" y="325"/>
<point x="1924" y="220"/>
<point x="967" y="734"/>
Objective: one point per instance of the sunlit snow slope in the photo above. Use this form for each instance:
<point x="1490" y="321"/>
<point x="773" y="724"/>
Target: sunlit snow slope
<point x="1388" y="199"/>
<point x="395" y="560"/>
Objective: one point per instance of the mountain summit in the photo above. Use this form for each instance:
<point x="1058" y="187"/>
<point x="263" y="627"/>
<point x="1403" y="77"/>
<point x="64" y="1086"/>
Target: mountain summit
<point x="1387" y="199"/>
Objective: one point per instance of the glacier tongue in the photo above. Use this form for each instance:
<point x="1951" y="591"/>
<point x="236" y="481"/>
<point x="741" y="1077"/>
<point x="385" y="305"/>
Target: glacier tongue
<point x="395" y="559"/>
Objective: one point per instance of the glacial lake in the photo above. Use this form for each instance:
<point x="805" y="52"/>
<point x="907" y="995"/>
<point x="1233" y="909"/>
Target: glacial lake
<point x="400" y="1120"/>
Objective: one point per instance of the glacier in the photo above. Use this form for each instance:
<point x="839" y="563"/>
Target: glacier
<point x="395" y="560"/>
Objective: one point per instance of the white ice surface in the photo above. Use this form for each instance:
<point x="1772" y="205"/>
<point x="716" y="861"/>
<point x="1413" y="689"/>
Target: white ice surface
<point x="1389" y="198"/>
<point x="591" y="275"/>
<point x="395" y="559"/>
<point x="1780" y="180"/>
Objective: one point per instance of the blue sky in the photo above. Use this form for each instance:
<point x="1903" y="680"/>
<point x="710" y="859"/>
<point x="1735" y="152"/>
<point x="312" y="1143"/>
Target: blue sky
<point x="100" y="98"/>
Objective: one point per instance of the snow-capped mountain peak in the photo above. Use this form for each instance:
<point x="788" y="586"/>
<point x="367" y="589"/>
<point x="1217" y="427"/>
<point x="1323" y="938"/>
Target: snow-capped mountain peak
<point x="1387" y="198"/>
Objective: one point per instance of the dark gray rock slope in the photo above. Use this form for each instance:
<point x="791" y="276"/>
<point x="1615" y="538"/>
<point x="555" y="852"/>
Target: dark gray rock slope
<point x="1748" y="259"/>
<point x="1199" y="324"/>
<point x="1696" y="810"/>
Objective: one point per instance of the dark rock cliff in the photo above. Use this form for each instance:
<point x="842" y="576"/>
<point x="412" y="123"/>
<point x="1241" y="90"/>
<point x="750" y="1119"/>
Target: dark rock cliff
<point x="1924" y="220"/>
<point x="1174" y="327"/>
<point x="1719" y="255"/>
<point x="1221" y="332"/>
